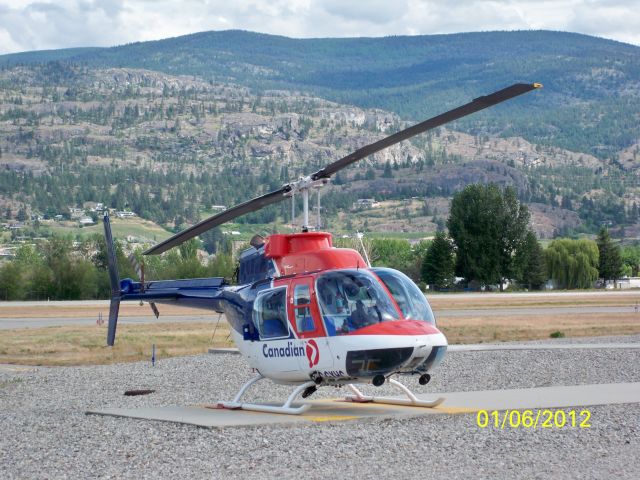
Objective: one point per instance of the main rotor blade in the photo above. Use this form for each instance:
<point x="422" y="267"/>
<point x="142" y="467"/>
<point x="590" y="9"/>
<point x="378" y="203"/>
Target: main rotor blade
<point x="478" y="104"/>
<point x="257" y="203"/>
<point x="246" y="207"/>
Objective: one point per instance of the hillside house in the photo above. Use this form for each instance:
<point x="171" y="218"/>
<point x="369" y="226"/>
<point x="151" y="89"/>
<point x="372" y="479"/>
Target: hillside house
<point x="76" y="213"/>
<point x="123" y="214"/>
<point x="365" y="203"/>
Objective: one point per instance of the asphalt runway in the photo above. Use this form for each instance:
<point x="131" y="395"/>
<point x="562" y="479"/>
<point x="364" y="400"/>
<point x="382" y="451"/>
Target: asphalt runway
<point x="524" y="311"/>
<point x="36" y="322"/>
<point x="473" y="295"/>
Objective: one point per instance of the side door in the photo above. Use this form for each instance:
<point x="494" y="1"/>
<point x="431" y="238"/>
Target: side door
<point x="306" y="321"/>
<point x="303" y="311"/>
<point x="270" y="318"/>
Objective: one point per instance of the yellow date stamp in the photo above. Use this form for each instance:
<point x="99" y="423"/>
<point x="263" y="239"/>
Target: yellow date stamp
<point x="533" y="419"/>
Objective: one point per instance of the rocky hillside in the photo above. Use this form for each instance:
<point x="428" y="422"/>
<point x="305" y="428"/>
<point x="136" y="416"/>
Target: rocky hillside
<point x="590" y="103"/>
<point x="169" y="147"/>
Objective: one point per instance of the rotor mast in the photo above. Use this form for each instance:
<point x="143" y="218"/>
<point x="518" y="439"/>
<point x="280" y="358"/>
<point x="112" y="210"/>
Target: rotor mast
<point x="303" y="186"/>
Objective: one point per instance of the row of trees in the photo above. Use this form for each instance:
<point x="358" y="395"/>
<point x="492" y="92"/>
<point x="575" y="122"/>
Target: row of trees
<point x="490" y="241"/>
<point x="59" y="270"/>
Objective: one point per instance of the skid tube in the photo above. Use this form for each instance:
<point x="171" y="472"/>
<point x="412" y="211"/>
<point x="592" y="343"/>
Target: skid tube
<point x="410" y="401"/>
<point x="286" y="408"/>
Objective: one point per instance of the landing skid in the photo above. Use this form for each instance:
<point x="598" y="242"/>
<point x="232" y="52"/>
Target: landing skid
<point x="286" y="408"/>
<point x="411" y="401"/>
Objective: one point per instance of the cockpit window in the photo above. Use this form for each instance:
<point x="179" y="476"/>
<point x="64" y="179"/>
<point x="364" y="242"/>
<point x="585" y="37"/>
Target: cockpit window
<point x="407" y="295"/>
<point x="353" y="299"/>
<point x="270" y="313"/>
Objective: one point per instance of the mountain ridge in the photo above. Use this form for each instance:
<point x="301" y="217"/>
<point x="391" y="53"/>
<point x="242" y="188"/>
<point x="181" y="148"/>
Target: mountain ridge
<point x="169" y="147"/>
<point x="589" y="104"/>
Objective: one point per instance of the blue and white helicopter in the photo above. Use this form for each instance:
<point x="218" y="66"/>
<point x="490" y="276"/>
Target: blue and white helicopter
<point x="305" y="313"/>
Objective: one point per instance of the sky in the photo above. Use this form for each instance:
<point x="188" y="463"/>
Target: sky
<point x="50" y="24"/>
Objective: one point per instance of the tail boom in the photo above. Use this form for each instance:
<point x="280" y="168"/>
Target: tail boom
<point x="195" y="292"/>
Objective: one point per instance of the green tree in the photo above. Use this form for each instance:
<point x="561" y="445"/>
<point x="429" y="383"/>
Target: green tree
<point x="38" y="277"/>
<point x="392" y="253"/>
<point x="610" y="263"/>
<point x="414" y="267"/>
<point x="438" y="266"/>
<point x="11" y="286"/>
<point x="96" y="251"/>
<point x="369" y="175"/>
<point x="387" y="173"/>
<point x="488" y="226"/>
<point x="572" y="263"/>
<point x="22" y="215"/>
<point x="27" y="255"/>
<point x="177" y="263"/>
<point x="532" y="268"/>
<point x="212" y="239"/>
<point x="221" y="266"/>
<point x="631" y="258"/>
<point x="189" y="250"/>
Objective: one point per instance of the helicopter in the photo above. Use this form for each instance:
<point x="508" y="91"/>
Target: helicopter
<point x="303" y="312"/>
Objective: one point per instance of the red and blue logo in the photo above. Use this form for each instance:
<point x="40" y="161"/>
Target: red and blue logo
<point x="310" y="349"/>
<point x="313" y="353"/>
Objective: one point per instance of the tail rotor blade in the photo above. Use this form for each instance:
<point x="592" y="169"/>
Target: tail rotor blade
<point x="114" y="279"/>
<point x="156" y="312"/>
<point x="114" y="276"/>
<point x="114" y="307"/>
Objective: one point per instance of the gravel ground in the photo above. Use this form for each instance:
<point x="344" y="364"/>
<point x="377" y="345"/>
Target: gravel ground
<point x="45" y="433"/>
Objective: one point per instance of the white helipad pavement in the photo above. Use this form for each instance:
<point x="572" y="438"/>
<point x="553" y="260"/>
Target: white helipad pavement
<point x="337" y="410"/>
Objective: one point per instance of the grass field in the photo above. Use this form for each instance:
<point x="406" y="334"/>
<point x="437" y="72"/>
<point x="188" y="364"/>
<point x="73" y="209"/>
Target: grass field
<point x="80" y="345"/>
<point x="87" y="310"/>
<point x="71" y="345"/>
<point x="121" y="227"/>
<point x="536" y="327"/>
<point x="595" y="299"/>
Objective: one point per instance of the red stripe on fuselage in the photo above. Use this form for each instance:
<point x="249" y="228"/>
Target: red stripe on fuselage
<point x="399" y="327"/>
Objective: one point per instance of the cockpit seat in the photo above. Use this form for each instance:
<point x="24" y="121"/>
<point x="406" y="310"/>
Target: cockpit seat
<point x="273" y="327"/>
<point x="307" y="325"/>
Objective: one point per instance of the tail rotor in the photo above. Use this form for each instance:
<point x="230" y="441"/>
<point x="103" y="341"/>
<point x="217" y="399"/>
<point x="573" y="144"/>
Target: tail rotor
<point x="114" y="279"/>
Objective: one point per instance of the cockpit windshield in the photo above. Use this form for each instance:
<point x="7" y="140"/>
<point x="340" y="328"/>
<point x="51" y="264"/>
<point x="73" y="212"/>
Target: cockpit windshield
<point x="353" y="299"/>
<point x="407" y="295"/>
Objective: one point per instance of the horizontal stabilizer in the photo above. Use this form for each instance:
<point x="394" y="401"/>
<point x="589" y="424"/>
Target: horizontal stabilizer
<point x="191" y="292"/>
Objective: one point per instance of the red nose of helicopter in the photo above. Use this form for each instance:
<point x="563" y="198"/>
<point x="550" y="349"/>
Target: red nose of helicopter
<point x="404" y="346"/>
